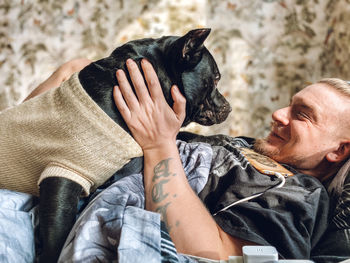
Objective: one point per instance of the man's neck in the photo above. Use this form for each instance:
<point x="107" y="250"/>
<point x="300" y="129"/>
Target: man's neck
<point x="324" y="171"/>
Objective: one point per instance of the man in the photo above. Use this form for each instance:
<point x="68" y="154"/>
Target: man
<point x="310" y="135"/>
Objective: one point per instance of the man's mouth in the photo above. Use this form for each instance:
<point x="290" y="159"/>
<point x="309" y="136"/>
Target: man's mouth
<point x="275" y="135"/>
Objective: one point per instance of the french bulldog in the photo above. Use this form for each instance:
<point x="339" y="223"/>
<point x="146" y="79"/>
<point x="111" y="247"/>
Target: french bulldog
<point x="183" y="61"/>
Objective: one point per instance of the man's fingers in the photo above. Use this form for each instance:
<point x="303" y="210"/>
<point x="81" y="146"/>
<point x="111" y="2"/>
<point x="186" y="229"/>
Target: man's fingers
<point x="126" y="90"/>
<point x="152" y="80"/>
<point x="120" y="103"/>
<point x="138" y="81"/>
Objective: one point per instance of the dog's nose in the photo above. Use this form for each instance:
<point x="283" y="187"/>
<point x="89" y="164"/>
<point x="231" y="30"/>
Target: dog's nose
<point x="223" y="112"/>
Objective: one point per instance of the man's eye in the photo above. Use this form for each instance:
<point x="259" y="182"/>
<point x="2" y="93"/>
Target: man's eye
<point x="302" y="115"/>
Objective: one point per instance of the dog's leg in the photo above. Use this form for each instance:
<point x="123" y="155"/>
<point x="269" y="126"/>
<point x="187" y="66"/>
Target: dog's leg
<point x="58" y="208"/>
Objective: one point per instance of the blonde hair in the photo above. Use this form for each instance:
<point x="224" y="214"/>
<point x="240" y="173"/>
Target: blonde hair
<point x="341" y="85"/>
<point x="336" y="186"/>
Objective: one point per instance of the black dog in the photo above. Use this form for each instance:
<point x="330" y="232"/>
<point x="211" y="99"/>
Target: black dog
<point x="183" y="61"/>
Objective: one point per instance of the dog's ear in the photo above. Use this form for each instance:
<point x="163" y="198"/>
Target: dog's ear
<point x="189" y="47"/>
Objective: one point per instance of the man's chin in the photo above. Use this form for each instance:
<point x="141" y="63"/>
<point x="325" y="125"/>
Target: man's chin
<point x="263" y="147"/>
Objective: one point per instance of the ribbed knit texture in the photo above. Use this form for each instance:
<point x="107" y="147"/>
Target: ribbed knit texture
<point x="61" y="133"/>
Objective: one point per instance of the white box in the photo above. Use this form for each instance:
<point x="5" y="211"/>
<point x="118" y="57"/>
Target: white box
<point x="259" y="254"/>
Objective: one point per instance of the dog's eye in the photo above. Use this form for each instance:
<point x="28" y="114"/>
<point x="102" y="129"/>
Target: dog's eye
<point x="216" y="79"/>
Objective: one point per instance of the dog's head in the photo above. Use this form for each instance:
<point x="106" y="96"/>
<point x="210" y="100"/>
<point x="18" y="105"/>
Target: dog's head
<point x="197" y="75"/>
<point x="183" y="61"/>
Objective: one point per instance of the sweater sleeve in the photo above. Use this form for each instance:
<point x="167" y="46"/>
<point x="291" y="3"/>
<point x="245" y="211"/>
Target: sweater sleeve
<point x="59" y="170"/>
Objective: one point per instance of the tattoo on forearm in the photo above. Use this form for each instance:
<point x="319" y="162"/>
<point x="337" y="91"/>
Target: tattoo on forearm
<point x="162" y="169"/>
<point x="158" y="194"/>
<point x="162" y="210"/>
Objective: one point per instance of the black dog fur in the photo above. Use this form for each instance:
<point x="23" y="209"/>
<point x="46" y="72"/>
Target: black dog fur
<point x="183" y="61"/>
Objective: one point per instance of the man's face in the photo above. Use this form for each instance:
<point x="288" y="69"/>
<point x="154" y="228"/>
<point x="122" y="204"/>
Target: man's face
<point x="305" y="131"/>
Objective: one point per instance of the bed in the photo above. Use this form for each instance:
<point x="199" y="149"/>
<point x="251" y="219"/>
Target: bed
<point x="112" y="225"/>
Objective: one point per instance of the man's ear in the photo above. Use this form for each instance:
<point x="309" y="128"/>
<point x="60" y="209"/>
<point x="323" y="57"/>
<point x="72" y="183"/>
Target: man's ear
<point x="340" y="154"/>
<point x="188" y="49"/>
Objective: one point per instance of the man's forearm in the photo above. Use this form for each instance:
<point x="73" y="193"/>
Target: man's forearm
<point x="154" y="126"/>
<point x="190" y="225"/>
<point x="60" y="75"/>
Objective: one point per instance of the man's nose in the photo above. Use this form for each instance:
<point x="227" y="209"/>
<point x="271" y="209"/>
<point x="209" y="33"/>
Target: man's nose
<point x="281" y="116"/>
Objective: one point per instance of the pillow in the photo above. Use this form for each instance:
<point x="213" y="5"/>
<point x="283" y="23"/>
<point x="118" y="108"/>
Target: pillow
<point x="341" y="217"/>
<point x="335" y="244"/>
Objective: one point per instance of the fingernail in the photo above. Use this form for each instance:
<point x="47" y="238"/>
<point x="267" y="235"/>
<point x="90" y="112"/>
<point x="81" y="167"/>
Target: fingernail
<point x="129" y="61"/>
<point x="145" y="60"/>
<point x="119" y="72"/>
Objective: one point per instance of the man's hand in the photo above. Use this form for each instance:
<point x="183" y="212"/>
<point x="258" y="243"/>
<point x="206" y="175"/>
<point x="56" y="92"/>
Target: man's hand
<point x="150" y="119"/>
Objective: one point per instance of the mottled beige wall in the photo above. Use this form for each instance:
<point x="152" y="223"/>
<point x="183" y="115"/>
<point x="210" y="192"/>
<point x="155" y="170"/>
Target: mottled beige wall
<point x="266" y="50"/>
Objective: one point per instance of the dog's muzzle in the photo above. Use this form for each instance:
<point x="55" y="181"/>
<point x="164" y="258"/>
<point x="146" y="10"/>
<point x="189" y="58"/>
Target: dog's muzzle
<point x="214" y="110"/>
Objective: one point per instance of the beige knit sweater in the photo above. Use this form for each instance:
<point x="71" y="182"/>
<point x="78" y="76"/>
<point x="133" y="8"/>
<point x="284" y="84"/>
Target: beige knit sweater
<point x="61" y="133"/>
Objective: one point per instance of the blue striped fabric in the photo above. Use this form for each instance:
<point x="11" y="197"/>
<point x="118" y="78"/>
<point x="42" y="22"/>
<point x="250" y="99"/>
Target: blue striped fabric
<point x="168" y="250"/>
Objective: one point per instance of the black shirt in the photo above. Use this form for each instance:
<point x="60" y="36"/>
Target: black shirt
<point x="292" y="218"/>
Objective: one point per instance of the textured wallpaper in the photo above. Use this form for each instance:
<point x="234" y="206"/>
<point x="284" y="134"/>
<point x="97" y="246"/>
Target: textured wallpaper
<point x="266" y="49"/>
